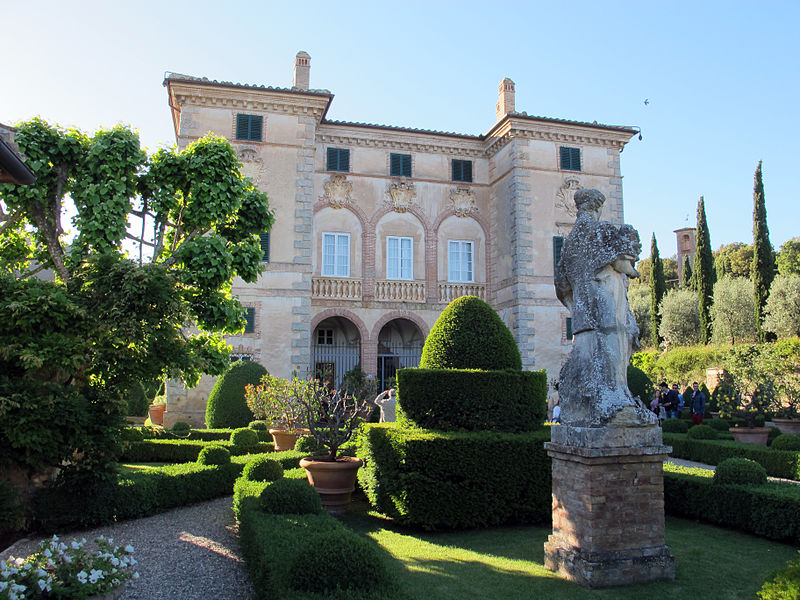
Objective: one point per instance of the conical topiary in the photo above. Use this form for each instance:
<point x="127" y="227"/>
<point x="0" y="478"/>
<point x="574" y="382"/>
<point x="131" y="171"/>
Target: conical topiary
<point x="226" y="404"/>
<point x="469" y="334"/>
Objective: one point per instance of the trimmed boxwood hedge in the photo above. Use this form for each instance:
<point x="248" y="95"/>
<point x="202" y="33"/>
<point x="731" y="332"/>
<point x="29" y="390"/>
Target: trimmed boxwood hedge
<point x="180" y="451"/>
<point x="226" y="406"/>
<point x="452" y="400"/>
<point x="778" y="463"/>
<point x="439" y="480"/>
<point x="771" y="510"/>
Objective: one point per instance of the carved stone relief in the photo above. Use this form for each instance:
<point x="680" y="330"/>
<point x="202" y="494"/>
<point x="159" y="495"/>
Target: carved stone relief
<point x="252" y="164"/>
<point x="565" y="197"/>
<point x="462" y="201"/>
<point x="401" y="196"/>
<point x="337" y="191"/>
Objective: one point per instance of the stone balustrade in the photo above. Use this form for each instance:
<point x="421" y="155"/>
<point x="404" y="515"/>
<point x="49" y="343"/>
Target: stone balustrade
<point x="399" y="291"/>
<point x="451" y="291"/>
<point x="335" y="288"/>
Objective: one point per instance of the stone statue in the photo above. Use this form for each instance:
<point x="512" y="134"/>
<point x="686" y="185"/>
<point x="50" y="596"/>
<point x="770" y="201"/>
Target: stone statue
<point x="596" y="262"/>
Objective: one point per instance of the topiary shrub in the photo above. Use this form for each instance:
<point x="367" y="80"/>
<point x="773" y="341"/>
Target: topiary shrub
<point x="742" y="471"/>
<point x="131" y="434"/>
<point x="258" y="426"/>
<point x="774" y="432"/>
<point x="469" y="334"/>
<point x="226" y="405"/>
<point x="702" y="432"/>
<point x="181" y="428"/>
<point x="640" y="384"/>
<point x="262" y="468"/>
<point x="138" y="402"/>
<point x="357" y="565"/>
<point x="786" y="441"/>
<point x="244" y="438"/>
<point x="214" y="455"/>
<point x="290" y="497"/>
<point x="674" y="426"/>
<point x="719" y="424"/>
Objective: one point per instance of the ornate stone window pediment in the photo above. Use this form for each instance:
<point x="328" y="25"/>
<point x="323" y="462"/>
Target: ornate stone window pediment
<point x="337" y="191"/>
<point x="401" y="196"/>
<point x="565" y="196"/>
<point x="462" y="201"/>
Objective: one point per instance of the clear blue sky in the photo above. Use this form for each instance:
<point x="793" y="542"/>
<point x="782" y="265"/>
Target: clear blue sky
<point x="721" y="79"/>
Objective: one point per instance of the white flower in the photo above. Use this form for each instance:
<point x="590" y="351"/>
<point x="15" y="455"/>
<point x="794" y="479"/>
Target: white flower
<point x="55" y="538"/>
<point x="42" y="584"/>
<point x="75" y="545"/>
<point x="47" y="553"/>
<point x="136" y="575"/>
<point x="115" y="561"/>
<point x="3" y="585"/>
<point x="95" y="575"/>
<point x="129" y="549"/>
<point x="82" y="576"/>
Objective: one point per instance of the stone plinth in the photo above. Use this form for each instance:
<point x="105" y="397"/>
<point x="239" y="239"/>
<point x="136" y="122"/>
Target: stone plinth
<point x="608" y="511"/>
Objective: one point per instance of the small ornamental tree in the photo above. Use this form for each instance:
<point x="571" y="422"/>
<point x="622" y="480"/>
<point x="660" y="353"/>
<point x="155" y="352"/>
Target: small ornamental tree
<point x="73" y="346"/>
<point x="469" y="334"/>
<point x="273" y="400"/>
<point x="732" y="312"/>
<point x="679" y="318"/>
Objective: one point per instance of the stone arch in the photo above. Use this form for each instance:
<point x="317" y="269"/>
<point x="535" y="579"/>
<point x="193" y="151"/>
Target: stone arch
<point x="414" y="210"/>
<point x="400" y="314"/>
<point x="353" y="208"/>
<point x="479" y="219"/>
<point x="341" y="312"/>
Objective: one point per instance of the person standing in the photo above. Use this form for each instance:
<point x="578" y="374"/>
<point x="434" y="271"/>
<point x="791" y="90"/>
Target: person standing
<point x="680" y="399"/>
<point x="387" y="402"/>
<point x="698" y="404"/>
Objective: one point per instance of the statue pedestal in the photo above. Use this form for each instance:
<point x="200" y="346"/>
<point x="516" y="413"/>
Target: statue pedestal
<point x="608" y="507"/>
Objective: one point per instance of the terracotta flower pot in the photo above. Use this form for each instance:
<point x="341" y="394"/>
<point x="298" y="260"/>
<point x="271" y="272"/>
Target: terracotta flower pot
<point x="788" y="425"/>
<point x="333" y="480"/>
<point x="750" y="435"/>
<point x="156" y="413"/>
<point x="284" y="439"/>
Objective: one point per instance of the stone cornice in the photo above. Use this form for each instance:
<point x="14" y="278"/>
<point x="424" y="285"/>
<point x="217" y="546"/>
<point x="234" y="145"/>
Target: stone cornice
<point x="554" y="132"/>
<point x="260" y="101"/>
<point x="393" y="140"/>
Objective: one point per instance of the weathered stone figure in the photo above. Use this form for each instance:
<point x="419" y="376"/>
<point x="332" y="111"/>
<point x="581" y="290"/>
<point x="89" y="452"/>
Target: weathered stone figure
<point x="592" y="282"/>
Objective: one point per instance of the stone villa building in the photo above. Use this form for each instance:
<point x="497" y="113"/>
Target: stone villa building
<point x="378" y="227"/>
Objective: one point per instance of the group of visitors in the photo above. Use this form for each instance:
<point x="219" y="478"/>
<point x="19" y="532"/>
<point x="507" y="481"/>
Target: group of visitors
<point x="668" y="402"/>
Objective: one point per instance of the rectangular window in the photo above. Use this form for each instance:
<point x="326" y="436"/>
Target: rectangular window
<point x="570" y="158"/>
<point x="248" y="127"/>
<point x="462" y="170"/>
<point x="399" y="257"/>
<point x="338" y="160"/>
<point x="264" y="239"/>
<point x="459" y="261"/>
<point x="558" y="244"/>
<point x="325" y="337"/>
<point x="336" y="255"/>
<point x="400" y="165"/>
<point x="250" y="316"/>
<point x="569" y="328"/>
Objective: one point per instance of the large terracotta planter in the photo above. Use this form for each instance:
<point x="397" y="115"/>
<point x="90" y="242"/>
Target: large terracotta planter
<point x="788" y="425"/>
<point x="156" y="413"/>
<point x="284" y="439"/>
<point x="333" y="480"/>
<point x="750" y="435"/>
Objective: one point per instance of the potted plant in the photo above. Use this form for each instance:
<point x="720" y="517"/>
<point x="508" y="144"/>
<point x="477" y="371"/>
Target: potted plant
<point x="742" y="395"/>
<point x="156" y="410"/>
<point x="273" y="401"/>
<point x="332" y="418"/>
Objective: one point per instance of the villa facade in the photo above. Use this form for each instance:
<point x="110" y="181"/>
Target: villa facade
<point x="378" y="227"/>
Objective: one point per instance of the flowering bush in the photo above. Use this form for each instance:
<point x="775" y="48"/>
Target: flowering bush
<point x="275" y="401"/>
<point x="58" y="570"/>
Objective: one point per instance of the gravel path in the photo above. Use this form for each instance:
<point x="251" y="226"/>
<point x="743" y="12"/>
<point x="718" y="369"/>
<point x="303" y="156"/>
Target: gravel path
<point x="189" y="553"/>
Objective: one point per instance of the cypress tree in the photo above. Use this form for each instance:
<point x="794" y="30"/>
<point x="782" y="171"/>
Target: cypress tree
<point x="763" y="271"/>
<point x="658" y="287"/>
<point x="704" y="274"/>
<point x="687" y="277"/>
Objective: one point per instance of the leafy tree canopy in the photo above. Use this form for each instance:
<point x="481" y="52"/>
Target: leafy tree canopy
<point x="788" y="258"/>
<point x="733" y="260"/>
<point x="732" y="311"/>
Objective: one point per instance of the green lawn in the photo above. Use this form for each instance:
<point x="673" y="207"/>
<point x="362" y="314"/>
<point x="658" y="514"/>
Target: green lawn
<point x="507" y="563"/>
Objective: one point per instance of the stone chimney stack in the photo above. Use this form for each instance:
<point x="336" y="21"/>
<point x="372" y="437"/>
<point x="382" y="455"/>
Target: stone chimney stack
<point x="302" y="71"/>
<point x="505" y="103"/>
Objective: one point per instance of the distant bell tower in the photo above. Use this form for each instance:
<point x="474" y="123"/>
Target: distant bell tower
<point x="302" y="71"/>
<point x="505" y="102"/>
<point x="687" y="246"/>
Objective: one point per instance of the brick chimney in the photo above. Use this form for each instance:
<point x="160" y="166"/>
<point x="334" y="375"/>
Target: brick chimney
<point x="505" y="102"/>
<point x="302" y="71"/>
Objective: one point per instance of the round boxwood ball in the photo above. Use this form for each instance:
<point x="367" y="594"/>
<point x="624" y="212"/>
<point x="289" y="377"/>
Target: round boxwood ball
<point x="786" y="441"/>
<point x="702" y="432"/>
<point x="357" y="565"/>
<point x="181" y="428"/>
<point x="226" y="405"/>
<point x="674" y="426"/>
<point x="258" y="426"/>
<point x="244" y="438"/>
<point x="469" y="334"/>
<point x="741" y="471"/>
<point x="214" y="455"/>
<point x="262" y="469"/>
<point x="290" y="497"/>
<point x="719" y="424"/>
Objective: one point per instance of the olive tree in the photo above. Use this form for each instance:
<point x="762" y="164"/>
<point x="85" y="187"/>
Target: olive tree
<point x="639" y="300"/>
<point x="72" y="347"/>
<point x="782" y="313"/>
<point x="732" y="313"/>
<point x="680" y="318"/>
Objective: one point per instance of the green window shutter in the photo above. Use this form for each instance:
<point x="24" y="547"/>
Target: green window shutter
<point x="256" y="125"/>
<point x="558" y="244"/>
<point x="242" y="127"/>
<point x="249" y="127"/>
<point x="570" y="158"/>
<point x="250" y="316"/>
<point x="400" y="165"/>
<point x="462" y="170"/>
<point x="264" y="239"/>
<point x="338" y="159"/>
<point x="406" y="165"/>
<point x="569" y="328"/>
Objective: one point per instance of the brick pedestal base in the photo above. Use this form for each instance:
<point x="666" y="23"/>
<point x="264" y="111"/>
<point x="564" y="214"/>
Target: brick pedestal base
<point x="608" y="515"/>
